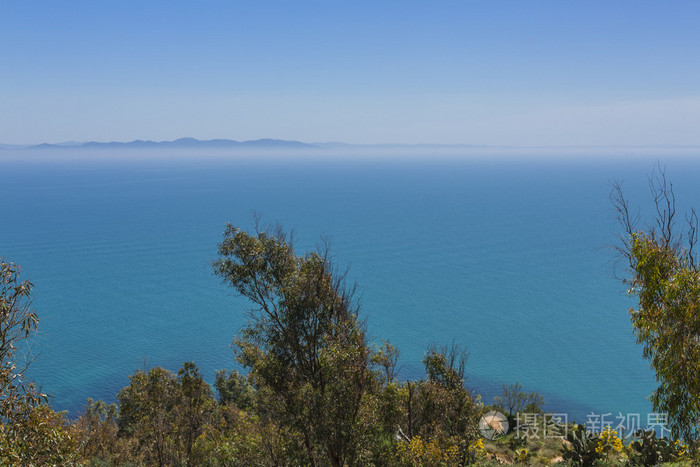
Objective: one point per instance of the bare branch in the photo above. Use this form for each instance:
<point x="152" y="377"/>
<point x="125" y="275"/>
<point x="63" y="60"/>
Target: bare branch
<point x="664" y="276"/>
<point x="622" y="209"/>
<point x="665" y="205"/>
<point x="692" y="220"/>
<point x="627" y="221"/>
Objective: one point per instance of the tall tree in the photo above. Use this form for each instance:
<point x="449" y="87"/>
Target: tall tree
<point x="664" y="275"/>
<point x="304" y="341"/>
<point x="440" y="408"/>
<point x="17" y="323"/>
<point x="147" y="411"/>
<point x="194" y="408"/>
<point x="31" y="433"/>
<point x="165" y="413"/>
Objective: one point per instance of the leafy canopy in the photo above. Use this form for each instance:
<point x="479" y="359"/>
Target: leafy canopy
<point x="303" y="342"/>
<point x="664" y="276"/>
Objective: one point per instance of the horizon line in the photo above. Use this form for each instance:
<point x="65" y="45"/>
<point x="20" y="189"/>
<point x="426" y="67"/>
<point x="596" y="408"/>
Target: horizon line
<point x="328" y="144"/>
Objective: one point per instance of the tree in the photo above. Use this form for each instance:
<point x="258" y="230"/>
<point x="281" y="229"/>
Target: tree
<point x="31" y="433"/>
<point x="43" y="437"/>
<point x="304" y="341"/>
<point x="194" y="408"/>
<point x="440" y="410"/>
<point x="147" y="413"/>
<point x="17" y="323"/>
<point x="96" y="430"/>
<point x="165" y="413"/>
<point x="513" y="400"/>
<point x="234" y="388"/>
<point x="664" y="276"/>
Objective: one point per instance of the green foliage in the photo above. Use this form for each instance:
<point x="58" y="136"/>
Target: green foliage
<point x="523" y="455"/>
<point x="581" y="449"/>
<point x="236" y="437"/>
<point x="439" y="410"/>
<point x="666" y="280"/>
<point x="587" y="449"/>
<point x="667" y="322"/>
<point x="386" y="358"/>
<point x="168" y="419"/>
<point x="43" y="437"/>
<point x="314" y="371"/>
<point x="30" y="432"/>
<point x="649" y="450"/>
<point x="431" y="453"/>
<point x="193" y="409"/>
<point x="303" y="341"/>
<point x="234" y="388"/>
<point x="165" y="413"/>
<point x="96" y="431"/>
<point x="18" y="322"/>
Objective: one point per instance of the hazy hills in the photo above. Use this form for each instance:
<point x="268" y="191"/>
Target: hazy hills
<point x="182" y="143"/>
<point x="291" y="146"/>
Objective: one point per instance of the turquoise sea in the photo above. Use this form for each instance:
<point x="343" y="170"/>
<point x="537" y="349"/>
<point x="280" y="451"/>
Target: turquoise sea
<point x="508" y="256"/>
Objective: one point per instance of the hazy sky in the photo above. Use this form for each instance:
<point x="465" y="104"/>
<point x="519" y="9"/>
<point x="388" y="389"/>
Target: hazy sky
<point x="520" y="72"/>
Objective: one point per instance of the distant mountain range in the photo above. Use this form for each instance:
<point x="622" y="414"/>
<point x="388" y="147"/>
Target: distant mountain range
<point x="182" y="143"/>
<point x="279" y="144"/>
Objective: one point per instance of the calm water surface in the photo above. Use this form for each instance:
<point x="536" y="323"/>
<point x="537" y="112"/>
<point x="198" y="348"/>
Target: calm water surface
<point x="507" y="257"/>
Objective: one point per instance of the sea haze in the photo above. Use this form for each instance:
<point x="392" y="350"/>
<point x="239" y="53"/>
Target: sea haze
<point x="507" y="256"/>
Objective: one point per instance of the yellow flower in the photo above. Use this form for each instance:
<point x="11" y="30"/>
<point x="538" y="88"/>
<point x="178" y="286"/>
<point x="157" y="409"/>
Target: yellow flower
<point x="608" y="442"/>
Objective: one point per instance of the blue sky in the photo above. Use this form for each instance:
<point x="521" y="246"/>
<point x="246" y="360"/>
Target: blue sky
<point x="476" y="72"/>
